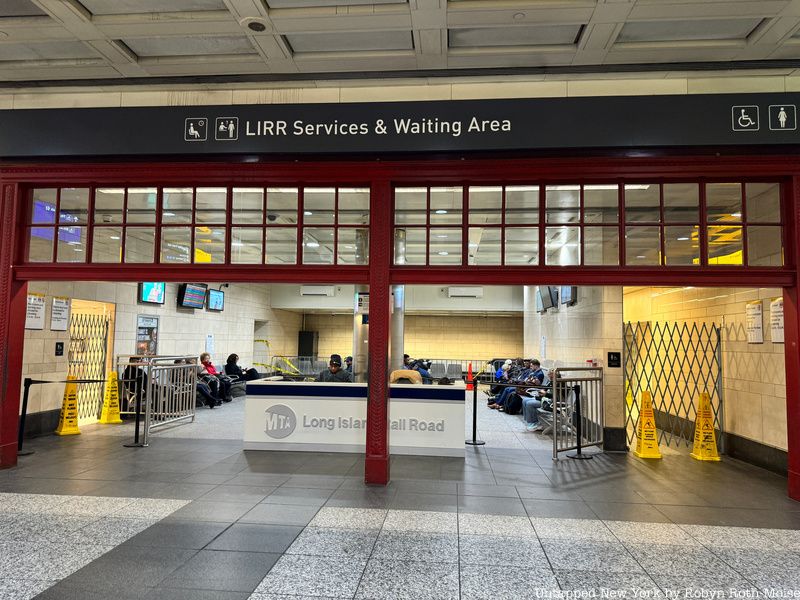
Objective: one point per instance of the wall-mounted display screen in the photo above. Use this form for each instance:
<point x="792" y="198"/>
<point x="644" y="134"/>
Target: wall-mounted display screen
<point x="216" y="300"/>
<point x="569" y="295"/>
<point x="152" y="292"/>
<point x="545" y="297"/>
<point x="192" y="295"/>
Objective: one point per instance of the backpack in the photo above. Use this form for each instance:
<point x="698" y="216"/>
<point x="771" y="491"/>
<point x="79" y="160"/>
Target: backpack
<point x="513" y="405"/>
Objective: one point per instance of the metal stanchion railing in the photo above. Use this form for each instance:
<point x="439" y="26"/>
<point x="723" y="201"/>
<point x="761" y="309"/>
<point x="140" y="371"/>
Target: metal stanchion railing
<point x="26" y="388"/>
<point x="475" y="441"/>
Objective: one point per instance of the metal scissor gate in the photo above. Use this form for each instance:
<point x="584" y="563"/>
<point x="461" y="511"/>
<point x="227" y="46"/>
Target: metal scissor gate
<point x="675" y="362"/>
<point x="88" y="347"/>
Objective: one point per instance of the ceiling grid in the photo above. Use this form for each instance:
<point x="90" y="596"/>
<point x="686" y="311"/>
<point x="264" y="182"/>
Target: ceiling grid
<point x="117" y="40"/>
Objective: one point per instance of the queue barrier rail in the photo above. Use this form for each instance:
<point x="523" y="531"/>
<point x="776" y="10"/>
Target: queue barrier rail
<point x="159" y="391"/>
<point x="26" y="388"/>
<point x="577" y="417"/>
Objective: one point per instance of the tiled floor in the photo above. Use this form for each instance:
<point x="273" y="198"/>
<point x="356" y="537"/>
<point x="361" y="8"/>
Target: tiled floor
<point x="193" y="516"/>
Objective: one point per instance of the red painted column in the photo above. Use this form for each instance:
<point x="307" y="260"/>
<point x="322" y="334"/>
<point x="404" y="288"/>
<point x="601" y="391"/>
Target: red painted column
<point x="791" y="336"/>
<point x="12" y="327"/>
<point x="376" y="466"/>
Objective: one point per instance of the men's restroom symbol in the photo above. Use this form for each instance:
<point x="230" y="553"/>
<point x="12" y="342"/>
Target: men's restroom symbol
<point x="782" y="117"/>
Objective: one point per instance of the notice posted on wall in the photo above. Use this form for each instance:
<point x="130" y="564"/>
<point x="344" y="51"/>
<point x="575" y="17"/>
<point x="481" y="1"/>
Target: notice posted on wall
<point x="59" y="314"/>
<point x="210" y="343"/>
<point x="776" y="320"/>
<point x="34" y="314"/>
<point x="754" y="322"/>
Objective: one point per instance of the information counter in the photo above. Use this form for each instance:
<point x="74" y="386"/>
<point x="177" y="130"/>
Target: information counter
<point x="284" y="415"/>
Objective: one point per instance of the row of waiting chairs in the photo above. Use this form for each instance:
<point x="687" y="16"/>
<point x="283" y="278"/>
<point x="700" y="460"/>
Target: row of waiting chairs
<point x="449" y="370"/>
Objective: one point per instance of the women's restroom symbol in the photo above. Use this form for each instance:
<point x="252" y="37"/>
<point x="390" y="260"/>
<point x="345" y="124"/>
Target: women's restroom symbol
<point x="782" y="117"/>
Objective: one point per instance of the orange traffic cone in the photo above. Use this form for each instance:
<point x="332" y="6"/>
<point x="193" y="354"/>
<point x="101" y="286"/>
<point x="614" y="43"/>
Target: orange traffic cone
<point x="469" y="376"/>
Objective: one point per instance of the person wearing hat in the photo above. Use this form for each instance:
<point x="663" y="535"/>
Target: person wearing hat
<point x="335" y="373"/>
<point x="348" y="364"/>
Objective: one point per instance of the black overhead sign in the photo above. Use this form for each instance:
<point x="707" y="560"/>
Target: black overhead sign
<point x="386" y="127"/>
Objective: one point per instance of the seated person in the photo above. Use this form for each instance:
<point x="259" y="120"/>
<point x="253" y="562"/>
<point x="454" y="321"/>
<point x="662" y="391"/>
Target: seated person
<point x="532" y="404"/>
<point x="210" y="397"/>
<point x="232" y="369"/>
<point x="135" y="381"/>
<point x="415" y="365"/>
<point x="208" y="368"/>
<point x="501" y="376"/>
<point x="335" y="373"/>
<point x="521" y="377"/>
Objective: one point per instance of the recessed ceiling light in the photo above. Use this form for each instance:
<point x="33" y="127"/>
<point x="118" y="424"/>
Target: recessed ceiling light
<point x="736" y="215"/>
<point x="312" y="245"/>
<point x="443" y="253"/>
<point x="441" y="236"/>
<point x="519" y="15"/>
<point x="683" y="239"/>
<point x="641" y="256"/>
<point x="308" y="213"/>
<point x="441" y="211"/>
<point x="113" y="237"/>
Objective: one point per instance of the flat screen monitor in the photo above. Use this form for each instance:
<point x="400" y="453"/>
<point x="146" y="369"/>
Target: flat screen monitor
<point x="553" y="295"/>
<point x="538" y="296"/>
<point x="192" y="295"/>
<point x="216" y="300"/>
<point x="569" y="295"/>
<point x="152" y="292"/>
<point x="546" y="297"/>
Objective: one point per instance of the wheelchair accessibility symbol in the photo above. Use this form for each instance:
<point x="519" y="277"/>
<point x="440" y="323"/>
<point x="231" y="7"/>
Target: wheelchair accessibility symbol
<point x="745" y="118"/>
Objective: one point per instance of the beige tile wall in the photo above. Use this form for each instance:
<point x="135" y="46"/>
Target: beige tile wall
<point x="457" y="337"/>
<point x="181" y="331"/>
<point x="754" y="378"/>
<point x="574" y="334"/>
<point x="534" y="86"/>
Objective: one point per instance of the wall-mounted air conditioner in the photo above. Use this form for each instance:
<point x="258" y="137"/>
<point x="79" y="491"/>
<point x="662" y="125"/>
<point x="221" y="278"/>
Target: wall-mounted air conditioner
<point x="465" y="292"/>
<point x="318" y="290"/>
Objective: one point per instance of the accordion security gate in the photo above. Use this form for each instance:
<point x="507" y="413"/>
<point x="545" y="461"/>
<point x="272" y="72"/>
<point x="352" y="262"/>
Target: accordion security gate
<point x="675" y="362"/>
<point x="88" y="347"/>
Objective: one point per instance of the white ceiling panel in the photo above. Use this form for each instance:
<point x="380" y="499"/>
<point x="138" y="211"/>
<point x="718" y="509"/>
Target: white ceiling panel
<point x="20" y="8"/>
<point x="678" y="31"/>
<point x="45" y="51"/>
<point x="125" y="7"/>
<point x="216" y="38"/>
<point x="354" y="41"/>
<point x="315" y="3"/>
<point x="190" y="46"/>
<point x="477" y="37"/>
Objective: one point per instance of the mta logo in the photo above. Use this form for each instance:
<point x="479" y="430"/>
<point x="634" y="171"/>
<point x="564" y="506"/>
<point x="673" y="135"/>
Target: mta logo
<point x="280" y="421"/>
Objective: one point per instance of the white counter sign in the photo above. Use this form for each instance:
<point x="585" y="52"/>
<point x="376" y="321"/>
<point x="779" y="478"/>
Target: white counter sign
<point x="34" y="313"/>
<point x="754" y="322"/>
<point x="776" y="320"/>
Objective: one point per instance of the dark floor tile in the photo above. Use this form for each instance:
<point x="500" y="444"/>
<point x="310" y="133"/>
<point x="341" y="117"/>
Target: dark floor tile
<point x="60" y="591"/>
<point x="425" y="487"/>
<point x="737" y="517"/>
<point x="179" y="534"/>
<point x="558" y="509"/>
<point x="252" y="537"/>
<point x="280" y="514"/>
<point x="409" y="501"/>
<point x="330" y="482"/>
<point x="494" y="491"/>
<point x="221" y="570"/>
<point x="162" y="593"/>
<point x="491" y="506"/>
<point x="298" y="496"/>
<point x="129" y="567"/>
<point x="622" y="511"/>
<point x="201" y="510"/>
<point x="360" y="499"/>
<point x="239" y="493"/>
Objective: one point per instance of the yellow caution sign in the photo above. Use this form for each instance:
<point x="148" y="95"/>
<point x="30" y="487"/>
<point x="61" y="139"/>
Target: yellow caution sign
<point x="646" y="435"/>
<point x="68" y="419"/>
<point x="110" y="414"/>
<point x="705" y="440"/>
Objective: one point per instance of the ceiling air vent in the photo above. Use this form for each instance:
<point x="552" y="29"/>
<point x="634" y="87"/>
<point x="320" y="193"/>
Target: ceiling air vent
<point x="465" y="292"/>
<point x="318" y="290"/>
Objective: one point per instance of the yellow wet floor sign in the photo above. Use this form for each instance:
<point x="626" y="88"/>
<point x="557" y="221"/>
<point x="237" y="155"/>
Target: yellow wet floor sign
<point x="705" y="441"/>
<point x="646" y="434"/>
<point x="68" y="419"/>
<point x="110" y="414"/>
